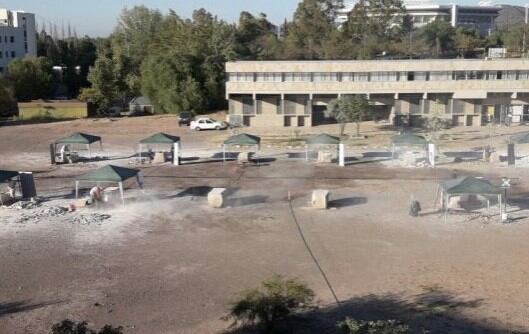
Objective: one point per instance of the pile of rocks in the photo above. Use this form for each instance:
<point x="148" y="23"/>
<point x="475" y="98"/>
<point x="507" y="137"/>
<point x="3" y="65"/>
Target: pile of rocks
<point x="89" y="218"/>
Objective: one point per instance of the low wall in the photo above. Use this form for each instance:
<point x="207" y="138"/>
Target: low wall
<point x="49" y="110"/>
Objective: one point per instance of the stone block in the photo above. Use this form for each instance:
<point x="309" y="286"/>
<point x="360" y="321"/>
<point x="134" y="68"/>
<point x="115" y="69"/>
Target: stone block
<point x="324" y="157"/>
<point x="159" y="158"/>
<point x="216" y="197"/>
<point x="320" y="199"/>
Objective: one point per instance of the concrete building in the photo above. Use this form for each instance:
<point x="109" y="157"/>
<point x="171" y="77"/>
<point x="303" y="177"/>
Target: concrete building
<point x="296" y="93"/>
<point x="18" y="36"/>
<point x="482" y="18"/>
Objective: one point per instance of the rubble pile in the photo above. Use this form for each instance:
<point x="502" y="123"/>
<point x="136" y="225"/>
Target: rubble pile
<point x="24" y="205"/>
<point x="90" y="218"/>
<point x="34" y="212"/>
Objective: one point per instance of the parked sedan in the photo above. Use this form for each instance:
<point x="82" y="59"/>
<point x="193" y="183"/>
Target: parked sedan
<point x="205" y="123"/>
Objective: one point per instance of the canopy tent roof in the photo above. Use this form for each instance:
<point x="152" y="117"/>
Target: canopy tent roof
<point x="520" y="138"/>
<point x="469" y="185"/>
<point x="6" y="175"/>
<point x="79" y="138"/>
<point x="160" y="138"/>
<point x="408" y="139"/>
<point x="243" y="139"/>
<point x="323" y="139"/>
<point x="109" y="173"/>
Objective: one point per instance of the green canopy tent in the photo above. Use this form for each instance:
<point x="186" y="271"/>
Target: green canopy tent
<point x="108" y="174"/>
<point x="7" y="176"/>
<point x="322" y="139"/>
<point x="466" y="185"/>
<point x="242" y="139"/>
<point x="161" y="139"/>
<point x="520" y="138"/>
<point x="80" y="138"/>
<point x="407" y="140"/>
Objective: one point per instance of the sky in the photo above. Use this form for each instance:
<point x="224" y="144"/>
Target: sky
<point x="98" y="17"/>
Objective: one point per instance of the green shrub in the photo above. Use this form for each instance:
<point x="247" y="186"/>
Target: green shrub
<point x="70" y="327"/>
<point x="352" y="326"/>
<point x="274" y="300"/>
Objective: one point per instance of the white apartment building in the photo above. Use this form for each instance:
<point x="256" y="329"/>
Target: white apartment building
<point x="18" y="36"/>
<point x="482" y="17"/>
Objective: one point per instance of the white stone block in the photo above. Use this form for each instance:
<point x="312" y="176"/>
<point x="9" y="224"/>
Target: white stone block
<point x="216" y="197"/>
<point x="320" y="199"/>
<point x="324" y="156"/>
<point x="243" y="157"/>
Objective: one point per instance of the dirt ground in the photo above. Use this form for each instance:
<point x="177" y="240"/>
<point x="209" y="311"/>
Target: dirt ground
<point x="167" y="263"/>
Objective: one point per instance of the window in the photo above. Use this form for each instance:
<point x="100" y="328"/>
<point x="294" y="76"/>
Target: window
<point x="509" y="75"/>
<point x="325" y="76"/>
<point x="357" y="76"/>
<point x="1" y="55"/>
<point x="411" y="76"/>
<point x="523" y="75"/>
<point x="384" y="76"/>
<point x="13" y="54"/>
<point x="297" y="77"/>
<point x="269" y="77"/>
<point x="12" y="39"/>
<point x="421" y="76"/>
<point x="241" y="77"/>
<point x="475" y="75"/>
<point x="440" y="76"/>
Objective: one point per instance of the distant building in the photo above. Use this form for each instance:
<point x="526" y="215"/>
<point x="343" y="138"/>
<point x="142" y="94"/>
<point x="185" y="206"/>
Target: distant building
<point x="482" y="18"/>
<point x="141" y="104"/>
<point x="18" y="36"/>
<point x="468" y="92"/>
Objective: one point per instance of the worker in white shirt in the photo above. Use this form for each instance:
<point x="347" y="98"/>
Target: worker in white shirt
<point x="11" y="188"/>
<point x="96" y="194"/>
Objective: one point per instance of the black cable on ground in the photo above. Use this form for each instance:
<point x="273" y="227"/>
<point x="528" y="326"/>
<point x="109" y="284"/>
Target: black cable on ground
<point x="311" y="253"/>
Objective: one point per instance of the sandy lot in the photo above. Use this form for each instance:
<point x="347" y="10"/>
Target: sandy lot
<point x="167" y="263"/>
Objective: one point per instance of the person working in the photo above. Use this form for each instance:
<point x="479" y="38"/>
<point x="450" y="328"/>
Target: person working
<point x="11" y="188"/>
<point x="96" y="194"/>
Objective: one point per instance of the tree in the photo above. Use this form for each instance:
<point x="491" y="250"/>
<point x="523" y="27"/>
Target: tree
<point x="514" y="38"/>
<point x="438" y="35"/>
<point x="273" y="301"/>
<point x="375" y="25"/>
<point x="32" y="78"/>
<point x="314" y="20"/>
<point x="7" y="97"/>
<point x="131" y="42"/>
<point x="70" y="327"/>
<point x="352" y="326"/>
<point x="106" y="86"/>
<point x="255" y="38"/>
<point x="350" y="108"/>
<point x="466" y="39"/>
<point x="168" y="81"/>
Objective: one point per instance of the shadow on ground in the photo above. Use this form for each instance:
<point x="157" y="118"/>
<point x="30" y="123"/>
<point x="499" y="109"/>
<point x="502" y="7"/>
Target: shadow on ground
<point x="434" y="312"/>
<point x="9" y="308"/>
<point x="349" y="201"/>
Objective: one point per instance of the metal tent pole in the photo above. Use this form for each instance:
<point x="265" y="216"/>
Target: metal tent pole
<point x="121" y="192"/>
<point x="76" y="189"/>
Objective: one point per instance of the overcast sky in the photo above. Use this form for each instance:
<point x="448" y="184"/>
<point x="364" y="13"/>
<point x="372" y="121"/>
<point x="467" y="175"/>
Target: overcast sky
<point x="98" y="17"/>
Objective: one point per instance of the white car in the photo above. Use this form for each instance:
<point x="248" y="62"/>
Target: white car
<point x="205" y="123"/>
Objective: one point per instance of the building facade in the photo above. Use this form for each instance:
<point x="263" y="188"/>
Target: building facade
<point x="18" y="36"/>
<point x="481" y="18"/>
<point x="405" y="92"/>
